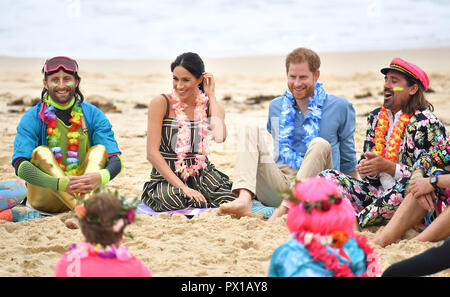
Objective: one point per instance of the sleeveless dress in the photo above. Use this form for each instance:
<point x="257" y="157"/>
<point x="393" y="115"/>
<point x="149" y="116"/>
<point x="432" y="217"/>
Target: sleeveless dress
<point x="160" y="195"/>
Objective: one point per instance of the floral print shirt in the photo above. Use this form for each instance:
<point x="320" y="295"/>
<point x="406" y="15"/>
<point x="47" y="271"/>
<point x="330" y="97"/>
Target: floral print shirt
<point x="425" y="133"/>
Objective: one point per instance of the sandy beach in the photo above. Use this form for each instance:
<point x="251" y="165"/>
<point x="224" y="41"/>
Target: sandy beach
<point x="209" y="244"/>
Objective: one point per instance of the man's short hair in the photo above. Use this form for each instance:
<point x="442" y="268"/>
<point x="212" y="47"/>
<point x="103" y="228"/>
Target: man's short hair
<point x="300" y="55"/>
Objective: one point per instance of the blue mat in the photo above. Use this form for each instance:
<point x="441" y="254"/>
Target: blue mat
<point x="257" y="207"/>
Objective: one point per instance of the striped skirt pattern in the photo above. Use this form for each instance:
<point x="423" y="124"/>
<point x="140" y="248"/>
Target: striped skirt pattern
<point x="160" y="195"/>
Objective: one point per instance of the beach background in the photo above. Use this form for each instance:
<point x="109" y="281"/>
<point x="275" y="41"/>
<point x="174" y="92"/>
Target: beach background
<point x="124" y="50"/>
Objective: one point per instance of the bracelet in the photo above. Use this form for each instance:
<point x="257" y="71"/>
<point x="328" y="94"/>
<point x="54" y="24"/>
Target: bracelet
<point x="416" y="175"/>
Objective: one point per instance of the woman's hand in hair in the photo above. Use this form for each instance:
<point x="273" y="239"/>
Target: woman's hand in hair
<point x="209" y="85"/>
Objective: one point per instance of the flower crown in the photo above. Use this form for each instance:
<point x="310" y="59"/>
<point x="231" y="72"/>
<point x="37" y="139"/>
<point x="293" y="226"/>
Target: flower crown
<point x="322" y="205"/>
<point x="126" y="216"/>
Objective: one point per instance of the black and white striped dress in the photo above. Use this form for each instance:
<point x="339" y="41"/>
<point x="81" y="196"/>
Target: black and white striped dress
<point x="160" y="195"/>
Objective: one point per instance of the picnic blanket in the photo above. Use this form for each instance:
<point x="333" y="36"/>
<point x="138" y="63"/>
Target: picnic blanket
<point x="257" y="207"/>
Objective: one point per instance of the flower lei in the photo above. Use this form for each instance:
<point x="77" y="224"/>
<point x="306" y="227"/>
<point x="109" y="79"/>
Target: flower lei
<point x="315" y="244"/>
<point x="54" y="137"/>
<point x="184" y="135"/>
<point x="85" y="249"/>
<point x="287" y="126"/>
<point x="393" y="145"/>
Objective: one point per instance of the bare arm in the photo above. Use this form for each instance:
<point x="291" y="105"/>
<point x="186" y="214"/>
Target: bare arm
<point x="156" y="112"/>
<point x="217" y="112"/>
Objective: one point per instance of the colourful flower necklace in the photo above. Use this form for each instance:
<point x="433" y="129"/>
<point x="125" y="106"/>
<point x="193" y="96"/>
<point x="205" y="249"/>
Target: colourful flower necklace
<point x="85" y="249"/>
<point x="54" y="137"/>
<point x="393" y="145"/>
<point x="184" y="135"/>
<point x="317" y="250"/>
<point x="287" y="125"/>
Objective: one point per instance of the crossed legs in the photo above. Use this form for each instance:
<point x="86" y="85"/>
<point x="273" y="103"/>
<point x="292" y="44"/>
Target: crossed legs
<point x="57" y="201"/>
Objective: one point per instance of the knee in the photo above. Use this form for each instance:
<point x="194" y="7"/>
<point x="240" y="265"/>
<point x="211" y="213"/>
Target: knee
<point x="99" y="147"/>
<point x="42" y="150"/>
<point x="42" y="153"/>
<point x="320" y="144"/>
<point x="98" y="152"/>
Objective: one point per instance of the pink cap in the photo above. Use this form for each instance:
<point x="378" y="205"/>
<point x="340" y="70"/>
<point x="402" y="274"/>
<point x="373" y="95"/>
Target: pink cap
<point x="410" y="70"/>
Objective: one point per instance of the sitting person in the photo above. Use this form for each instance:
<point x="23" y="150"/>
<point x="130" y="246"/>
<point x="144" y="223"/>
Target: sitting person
<point x="426" y="196"/>
<point x="64" y="147"/>
<point x="103" y="218"/>
<point x="311" y="130"/>
<point x="12" y="193"/>
<point x="177" y="140"/>
<point x="428" y="262"/>
<point x="324" y="244"/>
<point x="397" y="133"/>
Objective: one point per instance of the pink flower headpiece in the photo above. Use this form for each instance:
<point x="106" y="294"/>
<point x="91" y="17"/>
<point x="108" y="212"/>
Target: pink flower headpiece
<point x="316" y="193"/>
<point x="318" y="206"/>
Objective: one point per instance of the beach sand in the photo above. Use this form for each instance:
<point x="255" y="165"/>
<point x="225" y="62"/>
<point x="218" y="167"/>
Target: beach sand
<point x="208" y="244"/>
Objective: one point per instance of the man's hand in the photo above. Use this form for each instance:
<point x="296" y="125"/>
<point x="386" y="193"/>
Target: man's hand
<point x="83" y="184"/>
<point x="374" y="164"/>
<point x="426" y="201"/>
<point x="423" y="192"/>
<point x="421" y="186"/>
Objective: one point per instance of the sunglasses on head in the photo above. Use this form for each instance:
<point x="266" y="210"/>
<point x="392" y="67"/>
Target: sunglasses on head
<point x="55" y="63"/>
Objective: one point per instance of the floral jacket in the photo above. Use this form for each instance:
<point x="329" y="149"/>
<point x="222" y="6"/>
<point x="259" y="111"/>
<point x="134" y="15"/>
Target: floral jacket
<point x="425" y="133"/>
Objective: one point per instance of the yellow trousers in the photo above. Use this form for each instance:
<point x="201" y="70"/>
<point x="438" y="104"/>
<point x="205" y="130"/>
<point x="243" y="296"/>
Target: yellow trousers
<point x="58" y="201"/>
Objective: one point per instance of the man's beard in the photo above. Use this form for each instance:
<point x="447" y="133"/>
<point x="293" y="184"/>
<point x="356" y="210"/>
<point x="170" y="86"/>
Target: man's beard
<point x="64" y="100"/>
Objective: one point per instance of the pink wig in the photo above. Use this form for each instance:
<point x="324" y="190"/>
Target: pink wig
<point x="340" y="217"/>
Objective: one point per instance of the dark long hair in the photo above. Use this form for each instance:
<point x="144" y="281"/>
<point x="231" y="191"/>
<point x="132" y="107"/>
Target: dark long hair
<point x="417" y="101"/>
<point x="78" y="95"/>
<point x="192" y="63"/>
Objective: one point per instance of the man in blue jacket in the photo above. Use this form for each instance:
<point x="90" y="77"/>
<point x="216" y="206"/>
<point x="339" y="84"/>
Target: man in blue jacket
<point x="64" y="147"/>
<point x="312" y="131"/>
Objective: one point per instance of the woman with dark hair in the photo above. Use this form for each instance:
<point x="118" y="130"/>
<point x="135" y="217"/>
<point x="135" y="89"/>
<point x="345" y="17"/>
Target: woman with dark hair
<point x="179" y="127"/>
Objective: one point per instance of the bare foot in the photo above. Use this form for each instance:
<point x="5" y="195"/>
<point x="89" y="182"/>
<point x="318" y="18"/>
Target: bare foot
<point x="279" y="211"/>
<point x="239" y="208"/>
<point x="72" y="223"/>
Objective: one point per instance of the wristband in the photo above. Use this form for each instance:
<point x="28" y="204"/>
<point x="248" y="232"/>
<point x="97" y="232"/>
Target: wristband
<point x="104" y="175"/>
<point x="416" y="175"/>
<point x="63" y="182"/>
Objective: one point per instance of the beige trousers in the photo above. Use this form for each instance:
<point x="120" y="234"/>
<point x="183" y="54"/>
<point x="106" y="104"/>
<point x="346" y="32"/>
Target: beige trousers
<point x="256" y="171"/>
